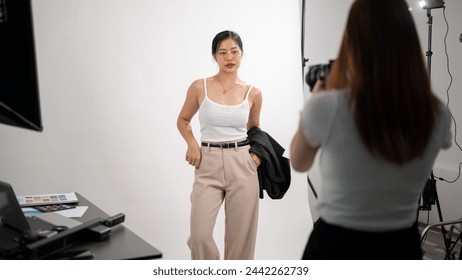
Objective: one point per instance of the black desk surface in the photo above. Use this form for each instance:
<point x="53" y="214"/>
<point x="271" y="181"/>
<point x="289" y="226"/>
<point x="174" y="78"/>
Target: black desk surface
<point x="123" y="243"/>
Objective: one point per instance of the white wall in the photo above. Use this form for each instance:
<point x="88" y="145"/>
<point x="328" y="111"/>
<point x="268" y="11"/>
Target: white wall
<point x="113" y="76"/>
<point x="325" y="21"/>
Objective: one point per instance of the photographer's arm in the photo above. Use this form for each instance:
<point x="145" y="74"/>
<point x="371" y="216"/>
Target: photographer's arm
<point x="302" y="153"/>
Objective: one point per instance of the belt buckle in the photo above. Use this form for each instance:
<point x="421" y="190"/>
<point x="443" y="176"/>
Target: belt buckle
<point x="224" y="145"/>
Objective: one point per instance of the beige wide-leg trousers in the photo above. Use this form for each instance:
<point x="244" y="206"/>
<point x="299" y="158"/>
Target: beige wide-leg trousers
<point x="228" y="175"/>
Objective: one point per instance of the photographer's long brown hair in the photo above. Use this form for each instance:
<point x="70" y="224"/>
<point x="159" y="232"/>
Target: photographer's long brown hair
<point x="381" y="61"/>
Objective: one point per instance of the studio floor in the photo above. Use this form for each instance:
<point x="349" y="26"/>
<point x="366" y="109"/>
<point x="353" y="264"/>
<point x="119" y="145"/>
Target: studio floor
<point x="433" y="246"/>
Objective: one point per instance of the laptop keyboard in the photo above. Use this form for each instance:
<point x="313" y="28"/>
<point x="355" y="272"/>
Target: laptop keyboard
<point x="37" y="224"/>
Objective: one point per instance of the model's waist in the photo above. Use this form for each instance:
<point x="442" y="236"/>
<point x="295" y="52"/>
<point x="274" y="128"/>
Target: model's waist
<point x="227" y="144"/>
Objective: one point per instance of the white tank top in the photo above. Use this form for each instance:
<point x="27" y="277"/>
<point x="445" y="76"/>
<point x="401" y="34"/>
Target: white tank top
<point x="223" y="123"/>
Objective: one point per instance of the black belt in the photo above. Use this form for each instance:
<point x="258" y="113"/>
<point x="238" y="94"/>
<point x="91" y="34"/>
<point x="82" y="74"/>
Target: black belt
<point x="226" y="145"/>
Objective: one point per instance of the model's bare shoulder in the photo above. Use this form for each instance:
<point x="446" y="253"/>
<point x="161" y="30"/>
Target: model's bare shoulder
<point x="196" y="88"/>
<point x="255" y="90"/>
<point x="197" y="85"/>
<point x="255" y="94"/>
<point x="196" y="91"/>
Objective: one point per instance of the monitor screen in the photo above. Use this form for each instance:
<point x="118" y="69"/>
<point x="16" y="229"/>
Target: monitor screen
<point x="19" y="91"/>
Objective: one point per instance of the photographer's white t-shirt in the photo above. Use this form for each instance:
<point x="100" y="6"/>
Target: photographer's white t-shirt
<point x="360" y="191"/>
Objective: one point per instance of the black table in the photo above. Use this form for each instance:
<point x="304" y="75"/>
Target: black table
<point x="123" y="244"/>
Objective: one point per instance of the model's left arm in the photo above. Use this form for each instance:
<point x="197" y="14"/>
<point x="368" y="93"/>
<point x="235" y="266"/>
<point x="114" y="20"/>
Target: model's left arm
<point x="255" y="102"/>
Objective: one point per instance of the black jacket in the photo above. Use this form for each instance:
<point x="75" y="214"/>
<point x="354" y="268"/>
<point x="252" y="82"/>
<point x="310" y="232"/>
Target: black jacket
<point x="274" y="170"/>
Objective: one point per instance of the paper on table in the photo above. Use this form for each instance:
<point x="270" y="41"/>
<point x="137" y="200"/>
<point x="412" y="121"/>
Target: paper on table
<point x="76" y="212"/>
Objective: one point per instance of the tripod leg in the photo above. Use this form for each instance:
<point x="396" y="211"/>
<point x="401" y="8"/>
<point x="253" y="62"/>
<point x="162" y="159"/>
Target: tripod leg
<point x="447" y="245"/>
<point x="311" y="186"/>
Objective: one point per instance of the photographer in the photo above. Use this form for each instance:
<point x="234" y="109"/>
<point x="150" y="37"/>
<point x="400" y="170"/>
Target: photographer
<point x="378" y="127"/>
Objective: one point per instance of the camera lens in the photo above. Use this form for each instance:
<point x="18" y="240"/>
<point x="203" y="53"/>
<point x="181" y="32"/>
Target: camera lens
<point x="317" y="72"/>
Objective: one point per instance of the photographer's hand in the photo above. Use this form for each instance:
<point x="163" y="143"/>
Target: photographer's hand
<point x="319" y="86"/>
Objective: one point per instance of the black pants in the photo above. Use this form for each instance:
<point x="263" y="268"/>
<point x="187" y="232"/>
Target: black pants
<point x="329" y="242"/>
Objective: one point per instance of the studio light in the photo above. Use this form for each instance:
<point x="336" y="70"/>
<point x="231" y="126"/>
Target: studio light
<point x="431" y="4"/>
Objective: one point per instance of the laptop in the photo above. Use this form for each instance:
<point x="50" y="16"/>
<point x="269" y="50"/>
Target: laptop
<point x="17" y="228"/>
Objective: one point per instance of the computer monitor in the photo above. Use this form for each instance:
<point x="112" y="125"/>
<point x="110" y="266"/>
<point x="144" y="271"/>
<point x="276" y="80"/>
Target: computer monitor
<point x="19" y="90"/>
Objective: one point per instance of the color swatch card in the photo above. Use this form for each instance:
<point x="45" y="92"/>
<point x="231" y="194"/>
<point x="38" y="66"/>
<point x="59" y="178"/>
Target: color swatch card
<point x="54" y="207"/>
<point x="46" y="199"/>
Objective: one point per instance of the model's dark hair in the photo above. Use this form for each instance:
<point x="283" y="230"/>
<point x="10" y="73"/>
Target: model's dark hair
<point x="223" y="36"/>
<point x="381" y="61"/>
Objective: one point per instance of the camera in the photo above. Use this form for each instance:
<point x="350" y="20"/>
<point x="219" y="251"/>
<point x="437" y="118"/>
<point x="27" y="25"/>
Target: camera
<point x="318" y="72"/>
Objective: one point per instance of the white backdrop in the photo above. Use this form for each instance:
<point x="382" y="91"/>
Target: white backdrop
<point x="113" y="76"/>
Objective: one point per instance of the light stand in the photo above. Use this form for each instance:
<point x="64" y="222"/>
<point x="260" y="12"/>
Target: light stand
<point x="304" y="61"/>
<point x="311" y="186"/>
<point x="429" y="52"/>
<point x="430" y="194"/>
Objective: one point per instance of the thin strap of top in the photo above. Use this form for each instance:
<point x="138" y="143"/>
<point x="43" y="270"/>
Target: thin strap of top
<point x="205" y="86"/>
<point x="248" y="92"/>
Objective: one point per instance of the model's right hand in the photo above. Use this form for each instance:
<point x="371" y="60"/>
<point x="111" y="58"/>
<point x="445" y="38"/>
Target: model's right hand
<point x="193" y="155"/>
